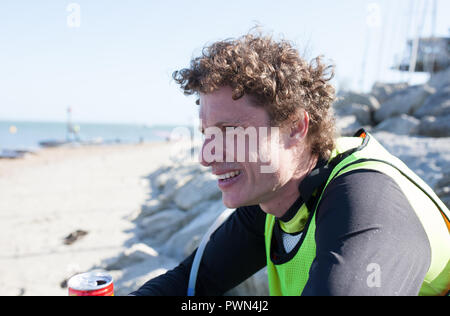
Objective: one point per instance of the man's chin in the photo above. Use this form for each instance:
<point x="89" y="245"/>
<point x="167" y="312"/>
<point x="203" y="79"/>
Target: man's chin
<point x="230" y="202"/>
<point x="234" y="202"/>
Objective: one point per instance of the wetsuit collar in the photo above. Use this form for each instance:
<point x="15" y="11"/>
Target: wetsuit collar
<point x="306" y="188"/>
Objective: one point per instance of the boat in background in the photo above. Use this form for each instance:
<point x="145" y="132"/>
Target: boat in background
<point x="11" y="154"/>
<point x="53" y="143"/>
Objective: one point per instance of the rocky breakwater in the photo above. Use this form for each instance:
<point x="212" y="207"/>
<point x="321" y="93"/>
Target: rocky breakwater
<point x="420" y="110"/>
<point x="182" y="204"/>
<point x="411" y="121"/>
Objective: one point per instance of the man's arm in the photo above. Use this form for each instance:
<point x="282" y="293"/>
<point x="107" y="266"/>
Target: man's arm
<point x="234" y="253"/>
<point x="369" y="239"/>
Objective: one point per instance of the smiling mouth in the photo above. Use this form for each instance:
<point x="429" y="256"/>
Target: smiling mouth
<point x="228" y="175"/>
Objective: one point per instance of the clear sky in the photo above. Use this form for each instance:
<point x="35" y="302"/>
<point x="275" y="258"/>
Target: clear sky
<point x="115" y="65"/>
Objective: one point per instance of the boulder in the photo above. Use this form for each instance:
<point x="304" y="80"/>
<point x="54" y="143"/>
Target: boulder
<point x="137" y="253"/>
<point x="132" y="277"/>
<point x="446" y="200"/>
<point x="347" y="125"/>
<point x="437" y="104"/>
<point x="442" y="189"/>
<point x="151" y="207"/>
<point x="426" y="156"/>
<point x="440" y="79"/>
<point x="177" y="171"/>
<point x="160" y="226"/>
<point x="435" y="126"/>
<point x="202" y="187"/>
<point x="403" y="102"/>
<point x="173" y="179"/>
<point x="348" y="98"/>
<point x="360" y="111"/>
<point x="383" y="91"/>
<point x="184" y="241"/>
<point x="399" y="125"/>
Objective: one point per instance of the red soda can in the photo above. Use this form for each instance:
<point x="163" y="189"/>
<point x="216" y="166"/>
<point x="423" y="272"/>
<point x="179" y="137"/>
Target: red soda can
<point x="91" y="284"/>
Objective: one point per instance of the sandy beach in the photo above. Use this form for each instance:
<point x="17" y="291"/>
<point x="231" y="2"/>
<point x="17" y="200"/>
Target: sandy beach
<point x="48" y="195"/>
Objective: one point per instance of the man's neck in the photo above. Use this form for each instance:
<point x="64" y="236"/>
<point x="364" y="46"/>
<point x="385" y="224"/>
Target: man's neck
<point x="289" y="193"/>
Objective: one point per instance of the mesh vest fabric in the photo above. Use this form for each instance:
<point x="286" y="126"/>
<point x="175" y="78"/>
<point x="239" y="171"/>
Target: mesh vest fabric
<point x="290" y="278"/>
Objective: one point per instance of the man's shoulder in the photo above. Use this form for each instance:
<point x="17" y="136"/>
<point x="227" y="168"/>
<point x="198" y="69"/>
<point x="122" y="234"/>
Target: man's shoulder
<point x="363" y="198"/>
<point x="361" y="190"/>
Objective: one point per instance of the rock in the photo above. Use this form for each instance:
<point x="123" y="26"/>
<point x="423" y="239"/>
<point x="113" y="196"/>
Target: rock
<point x="74" y="236"/>
<point x="440" y="79"/>
<point x="132" y="277"/>
<point x="444" y="182"/>
<point x="176" y="171"/>
<point x="201" y="188"/>
<point x="403" y="102"/>
<point x="129" y="282"/>
<point x="173" y="179"/>
<point x="160" y="226"/>
<point x="435" y="126"/>
<point x="399" y="125"/>
<point x="151" y="207"/>
<point x="437" y="104"/>
<point x="446" y="200"/>
<point x="193" y="242"/>
<point x="383" y="91"/>
<point x="349" y="98"/>
<point x="428" y="157"/>
<point x="183" y="242"/>
<point x="347" y="125"/>
<point x="360" y="111"/>
<point x="137" y="253"/>
<point x="442" y="189"/>
<point x="157" y="178"/>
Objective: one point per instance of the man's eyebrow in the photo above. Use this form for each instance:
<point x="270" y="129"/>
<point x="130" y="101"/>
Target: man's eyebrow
<point x="225" y="123"/>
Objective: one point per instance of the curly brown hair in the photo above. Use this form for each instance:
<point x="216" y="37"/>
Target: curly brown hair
<point x="275" y="76"/>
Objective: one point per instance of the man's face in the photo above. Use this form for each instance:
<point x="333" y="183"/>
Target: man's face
<point x="250" y="168"/>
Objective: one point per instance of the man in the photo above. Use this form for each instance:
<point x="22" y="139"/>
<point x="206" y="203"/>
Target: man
<point x="330" y="216"/>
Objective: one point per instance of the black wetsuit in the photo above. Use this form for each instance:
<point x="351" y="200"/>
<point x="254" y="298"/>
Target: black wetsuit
<point x="364" y="224"/>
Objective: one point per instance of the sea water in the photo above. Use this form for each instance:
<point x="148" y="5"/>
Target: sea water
<point x="16" y="135"/>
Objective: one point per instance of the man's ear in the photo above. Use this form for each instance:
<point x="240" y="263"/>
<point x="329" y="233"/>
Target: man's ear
<point x="299" y="127"/>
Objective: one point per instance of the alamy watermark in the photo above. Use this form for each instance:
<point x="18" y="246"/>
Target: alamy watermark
<point x="373" y="17"/>
<point x="230" y="145"/>
<point x="74" y="16"/>
<point x="374" y="277"/>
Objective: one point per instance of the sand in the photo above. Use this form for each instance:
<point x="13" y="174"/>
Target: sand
<point x="48" y="195"/>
